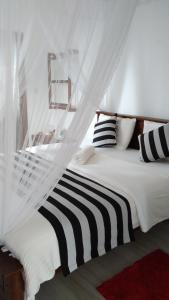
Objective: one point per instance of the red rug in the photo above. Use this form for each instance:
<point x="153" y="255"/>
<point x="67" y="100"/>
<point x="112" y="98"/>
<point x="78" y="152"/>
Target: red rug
<point x="146" y="279"/>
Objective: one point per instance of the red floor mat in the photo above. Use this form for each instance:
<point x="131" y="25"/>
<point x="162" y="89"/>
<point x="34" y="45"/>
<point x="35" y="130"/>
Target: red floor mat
<point x="146" y="279"/>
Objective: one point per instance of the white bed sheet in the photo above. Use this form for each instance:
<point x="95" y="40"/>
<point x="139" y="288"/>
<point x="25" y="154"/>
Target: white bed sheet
<point x="146" y="186"/>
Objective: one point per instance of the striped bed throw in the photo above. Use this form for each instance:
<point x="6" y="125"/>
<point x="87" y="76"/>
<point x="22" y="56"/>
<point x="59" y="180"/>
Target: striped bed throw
<point x="88" y="218"/>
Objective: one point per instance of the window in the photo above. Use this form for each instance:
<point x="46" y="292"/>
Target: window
<point x="59" y="86"/>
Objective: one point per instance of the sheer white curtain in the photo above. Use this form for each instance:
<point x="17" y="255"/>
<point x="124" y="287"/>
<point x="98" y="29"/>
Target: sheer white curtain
<point x="96" y="31"/>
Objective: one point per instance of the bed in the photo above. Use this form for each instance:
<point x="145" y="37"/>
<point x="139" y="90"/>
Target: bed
<point x="145" y="186"/>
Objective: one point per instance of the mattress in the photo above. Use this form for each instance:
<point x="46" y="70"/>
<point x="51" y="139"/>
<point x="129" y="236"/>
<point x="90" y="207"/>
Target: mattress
<point x="146" y="186"/>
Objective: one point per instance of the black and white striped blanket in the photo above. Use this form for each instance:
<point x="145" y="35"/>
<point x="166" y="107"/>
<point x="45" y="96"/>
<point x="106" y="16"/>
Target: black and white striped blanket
<point x="88" y="218"/>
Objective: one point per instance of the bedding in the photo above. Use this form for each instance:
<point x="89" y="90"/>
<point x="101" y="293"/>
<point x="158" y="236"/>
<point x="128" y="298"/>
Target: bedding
<point x="154" y="144"/>
<point x="124" y="132"/>
<point x="105" y="133"/>
<point x="145" y="186"/>
<point x="88" y="218"/>
<point x="83" y="155"/>
<point x="88" y="138"/>
<point x="150" y="125"/>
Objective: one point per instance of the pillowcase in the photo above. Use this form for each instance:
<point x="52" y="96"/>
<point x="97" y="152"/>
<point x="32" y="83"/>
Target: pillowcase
<point x="154" y="144"/>
<point x="103" y="117"/>
<point x="105" y="133"/>
<point x="88" y="138"/>
<point x="149" y="125"/>
<point x="124" y="132"/>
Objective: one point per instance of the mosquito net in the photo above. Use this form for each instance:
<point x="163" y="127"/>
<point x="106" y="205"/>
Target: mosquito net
<point x="57" y="59"/>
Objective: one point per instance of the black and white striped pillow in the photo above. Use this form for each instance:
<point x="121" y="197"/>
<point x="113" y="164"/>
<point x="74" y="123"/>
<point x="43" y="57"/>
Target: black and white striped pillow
<point x="105" y="133"/>
<point x="154" y="144"/>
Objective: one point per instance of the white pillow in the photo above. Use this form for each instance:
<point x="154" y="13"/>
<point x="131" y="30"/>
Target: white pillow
<point x="103" y="117"/>
<point x="125" y="129"/>
<point x="149" y="125"/>
<point x="88" y="139"/>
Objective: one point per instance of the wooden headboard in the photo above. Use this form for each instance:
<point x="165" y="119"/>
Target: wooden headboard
<point x="139" y="125"/>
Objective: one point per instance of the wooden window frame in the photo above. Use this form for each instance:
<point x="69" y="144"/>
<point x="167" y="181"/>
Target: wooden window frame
<point x="52" y="56"/>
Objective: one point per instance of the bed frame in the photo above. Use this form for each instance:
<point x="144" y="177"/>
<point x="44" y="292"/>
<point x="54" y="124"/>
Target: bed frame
<point x="11" y="271"/>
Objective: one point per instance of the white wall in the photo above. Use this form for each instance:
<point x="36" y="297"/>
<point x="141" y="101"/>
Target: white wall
<point x="141" y="84"/>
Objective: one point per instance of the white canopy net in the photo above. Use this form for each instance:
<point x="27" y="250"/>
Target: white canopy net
<point x="56" y="60"/>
